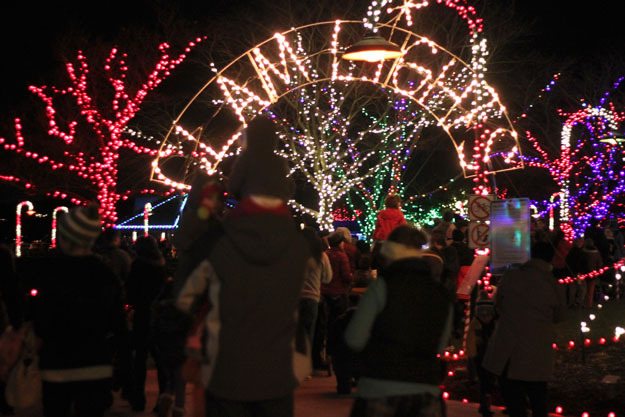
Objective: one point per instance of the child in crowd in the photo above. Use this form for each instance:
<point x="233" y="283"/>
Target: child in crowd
<point x="200" y="228"/>
<point x="480" y="331"/>
<point x="344" y="361"/>
<point x="363" y="274"/>
<point x="402" y="322"/>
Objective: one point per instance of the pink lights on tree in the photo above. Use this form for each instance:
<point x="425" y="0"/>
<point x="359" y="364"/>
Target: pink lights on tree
<point x="88" y="120"/>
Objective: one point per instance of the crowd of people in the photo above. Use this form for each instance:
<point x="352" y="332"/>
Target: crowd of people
<point x="256" y="304"/>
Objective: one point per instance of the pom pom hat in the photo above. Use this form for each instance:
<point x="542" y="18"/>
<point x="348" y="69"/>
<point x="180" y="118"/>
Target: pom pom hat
<point x="80" y="226"/>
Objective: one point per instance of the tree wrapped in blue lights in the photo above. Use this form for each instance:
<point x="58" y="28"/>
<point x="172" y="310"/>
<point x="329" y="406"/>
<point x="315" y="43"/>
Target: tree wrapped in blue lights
<point x="589" y="169"/>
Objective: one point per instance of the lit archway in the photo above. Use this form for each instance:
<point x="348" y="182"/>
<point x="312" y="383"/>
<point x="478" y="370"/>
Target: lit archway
<point x="450" y="91"/>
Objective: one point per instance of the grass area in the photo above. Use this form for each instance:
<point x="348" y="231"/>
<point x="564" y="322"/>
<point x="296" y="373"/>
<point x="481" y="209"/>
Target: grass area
<point x="577" y="385"/>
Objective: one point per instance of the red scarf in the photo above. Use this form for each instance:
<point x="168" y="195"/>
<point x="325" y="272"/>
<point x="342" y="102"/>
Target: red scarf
<point x="247" y="207"/>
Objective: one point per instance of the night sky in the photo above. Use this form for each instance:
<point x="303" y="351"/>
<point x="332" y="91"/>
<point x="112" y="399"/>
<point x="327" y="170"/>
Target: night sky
<point x="31" y="32"/>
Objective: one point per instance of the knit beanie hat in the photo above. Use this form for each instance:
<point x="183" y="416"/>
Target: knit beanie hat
<point x="258" y="170"/>
<point x="80" y="226"/>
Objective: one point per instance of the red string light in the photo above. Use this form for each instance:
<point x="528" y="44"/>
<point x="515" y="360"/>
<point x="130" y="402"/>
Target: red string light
<point x="98" y="168"/>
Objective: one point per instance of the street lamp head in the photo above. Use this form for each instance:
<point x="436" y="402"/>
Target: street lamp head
<point x="612" y="141"/>
<point x="613" y="138"/>
<point x="372" y="49"/>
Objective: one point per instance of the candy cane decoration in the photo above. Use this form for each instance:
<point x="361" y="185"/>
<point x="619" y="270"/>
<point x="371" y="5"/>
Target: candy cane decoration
<point x="18" y="225"/>
<point x="147" y="210"/>
<point x="467" y="323"/>
<point x="54" y="214"/>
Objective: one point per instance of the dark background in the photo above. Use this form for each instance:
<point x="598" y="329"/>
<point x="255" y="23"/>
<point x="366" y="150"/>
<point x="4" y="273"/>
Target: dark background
<point x="33" y="33"/>
<point x="35" y="38"/>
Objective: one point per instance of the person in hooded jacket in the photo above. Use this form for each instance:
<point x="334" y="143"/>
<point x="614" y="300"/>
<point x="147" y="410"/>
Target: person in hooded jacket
<point x="447" y="226"/>
<point x="199" y="230"/>
<point x="109" y="248"/>
<point x="77" y="313"/>
<point x="318" y="271"/>
<point x="253" y="278"/>
<point x="200" y="225"/>
<point x="402" y="322"/>
<point x="389" y="218"/>
<point x="519" y="352"/>
<point x="145" y="281"/>
<point x="349" y="247"/>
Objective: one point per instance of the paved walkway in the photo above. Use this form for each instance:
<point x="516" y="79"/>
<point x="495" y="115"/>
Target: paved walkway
<point x="315" y="398"/>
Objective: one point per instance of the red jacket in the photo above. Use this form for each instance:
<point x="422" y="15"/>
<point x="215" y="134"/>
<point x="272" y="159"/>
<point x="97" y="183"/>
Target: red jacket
<point x="352" y="254"/>
<point x="388" y="220"/>
<point x="341" y="273"/>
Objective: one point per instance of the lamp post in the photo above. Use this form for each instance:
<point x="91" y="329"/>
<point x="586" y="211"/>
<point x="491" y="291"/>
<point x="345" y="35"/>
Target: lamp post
<point x="54" y="214"/>
<point x="373" y="49"/>
<point x="18" y="225"/>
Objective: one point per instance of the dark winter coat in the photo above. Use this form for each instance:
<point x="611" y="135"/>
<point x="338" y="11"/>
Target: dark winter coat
<point x="449" y="274"/>
<point x="169" y="328"/>
<point x="77" y="313"/>
<point x="406" y="335"/>
<point x="11" y="298"/>
<point x="528" y="305"/>
<point x="145" y="282"/>
<point x="465" y="254"/>
<point x="118" y="260"/>
<point x="193" y="251"/>
<point x="576" y="260"/>
<point x="252" y="278"/>
<point x="592" y="260"/>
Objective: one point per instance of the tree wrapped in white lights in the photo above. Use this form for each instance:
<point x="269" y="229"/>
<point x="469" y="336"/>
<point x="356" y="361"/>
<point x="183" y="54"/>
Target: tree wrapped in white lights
<point x="285" y="75"/>
<point x="399" y="133"/>
<point x="333" y="141"/>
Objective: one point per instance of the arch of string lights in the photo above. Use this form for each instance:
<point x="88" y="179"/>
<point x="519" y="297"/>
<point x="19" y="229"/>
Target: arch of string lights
<point x="450" y="90"/>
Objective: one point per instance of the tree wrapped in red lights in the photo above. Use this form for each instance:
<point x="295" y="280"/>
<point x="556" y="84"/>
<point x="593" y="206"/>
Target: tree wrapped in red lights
<point x="86" y="121"/>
